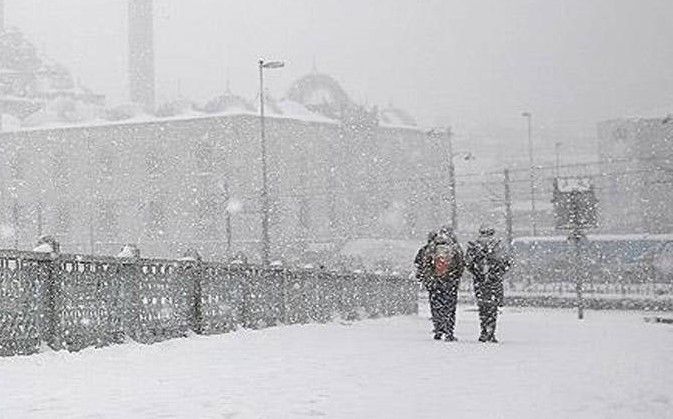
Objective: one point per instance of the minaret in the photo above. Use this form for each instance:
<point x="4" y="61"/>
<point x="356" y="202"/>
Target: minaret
<point x="141" y="53"/>
<point x="2" y="29"/>
<point x="2" y="15"/>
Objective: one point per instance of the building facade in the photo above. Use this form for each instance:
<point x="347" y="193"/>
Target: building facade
<point x="194" y="181"/>
<point x="637" y="175"/>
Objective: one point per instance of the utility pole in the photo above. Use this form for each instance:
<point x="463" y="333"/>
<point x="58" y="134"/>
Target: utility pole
<point x="39" y="219"/>
<point x="508" y="210"/>
<point x="528" y="117"/>
<point x="557" y="151"/>
<point x="90" y="186"/>
<point x="265" y="191"/>
<point x="576" y="237"/>
<point x="265" y="187"/>
<point x="15" y="222"/>
<point x="452" y="182"/>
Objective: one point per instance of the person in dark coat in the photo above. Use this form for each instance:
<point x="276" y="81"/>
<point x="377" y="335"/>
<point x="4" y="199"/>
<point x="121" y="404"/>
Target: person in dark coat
<point x="421" y="255"/>
<point x="487" y="261"/>
<point x="440" y="265"/>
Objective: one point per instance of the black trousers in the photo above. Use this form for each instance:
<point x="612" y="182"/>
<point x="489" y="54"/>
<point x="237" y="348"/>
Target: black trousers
<point x="488" y="316"/>
<point x="489" y="294"/>
<point x="443" y="298"/>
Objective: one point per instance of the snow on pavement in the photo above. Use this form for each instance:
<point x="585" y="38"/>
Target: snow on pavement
<point x="611" y="365"/>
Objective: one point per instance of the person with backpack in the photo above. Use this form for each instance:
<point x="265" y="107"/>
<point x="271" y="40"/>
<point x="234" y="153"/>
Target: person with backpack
<point x="440" y="265"/>
<point x="419" y="260"/>
<point x="487" y="261"/>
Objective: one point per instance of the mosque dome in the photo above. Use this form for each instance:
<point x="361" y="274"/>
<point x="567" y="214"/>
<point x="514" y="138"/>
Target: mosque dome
<point x="320" y="93"/>
<point x="30" y="83"/>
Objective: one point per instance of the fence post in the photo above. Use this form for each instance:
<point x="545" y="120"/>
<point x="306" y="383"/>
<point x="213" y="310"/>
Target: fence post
<point x="53" y="294"/>
<point x="196" y="272"/>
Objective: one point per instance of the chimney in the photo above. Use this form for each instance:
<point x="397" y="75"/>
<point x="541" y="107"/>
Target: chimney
<point x="141" y="53"/>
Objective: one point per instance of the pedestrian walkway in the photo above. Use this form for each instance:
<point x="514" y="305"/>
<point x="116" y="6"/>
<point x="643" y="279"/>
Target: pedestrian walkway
<point x="548" y="364"/>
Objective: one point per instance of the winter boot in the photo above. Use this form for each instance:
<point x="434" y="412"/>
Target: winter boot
<point x="450" y="338"/>
<point x="490" y="336"/>
<point x="483" y="337"/>
<point x="437" y="336"/>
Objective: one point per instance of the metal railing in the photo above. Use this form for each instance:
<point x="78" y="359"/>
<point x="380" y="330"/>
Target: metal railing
<point x="72" y="301"/>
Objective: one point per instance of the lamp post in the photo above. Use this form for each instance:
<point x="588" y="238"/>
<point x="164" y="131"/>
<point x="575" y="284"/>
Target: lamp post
<point x="452" y="181"/>
<point x="439" y="134"/>
<point x="265" y="188"/>
<point x="528" y="117"/>
<point x="557" y="151"/>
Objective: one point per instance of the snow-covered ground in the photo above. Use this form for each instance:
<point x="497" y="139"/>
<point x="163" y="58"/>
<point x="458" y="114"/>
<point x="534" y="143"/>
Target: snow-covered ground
<point x="611" y="365"/>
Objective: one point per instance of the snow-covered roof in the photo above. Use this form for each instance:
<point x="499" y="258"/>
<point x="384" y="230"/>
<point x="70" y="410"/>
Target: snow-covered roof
<point x="295" y="110"/>
<point x="228" y="102"/>
<point x="397" y="126"/>
<point x="58" y="111"/>
<point x="574" y="184"/>
<point x="396" y="117"/>
<point x="650" y="113"/>
<point x="291" y="111"/>
<point x="180" y="106"/>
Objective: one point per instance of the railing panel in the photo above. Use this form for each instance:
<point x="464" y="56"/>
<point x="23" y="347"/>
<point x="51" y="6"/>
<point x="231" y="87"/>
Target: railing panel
<point x="298" y="297"/>
<point x="164" y="291"/>
<point x="22" y="318"/>
<point x="89" y="303"/>
<point x="221" y="298"/>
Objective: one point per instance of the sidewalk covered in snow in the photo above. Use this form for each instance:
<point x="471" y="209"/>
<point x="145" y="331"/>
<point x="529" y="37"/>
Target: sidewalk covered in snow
<point x="548" y="364"/>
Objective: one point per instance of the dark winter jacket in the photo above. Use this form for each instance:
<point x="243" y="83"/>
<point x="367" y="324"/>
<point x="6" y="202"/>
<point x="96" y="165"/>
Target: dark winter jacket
<point x="487" y="261"/>
<point x="419" y="261"/>
<point x="424" y="262"/>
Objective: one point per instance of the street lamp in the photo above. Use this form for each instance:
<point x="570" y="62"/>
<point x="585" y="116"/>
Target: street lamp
<point x="265" y="188"/>
<point x="452" y="182"/>
<point x="557" y="150"/>
<point x="528" y="117"/>
<point x="467" y="155"/>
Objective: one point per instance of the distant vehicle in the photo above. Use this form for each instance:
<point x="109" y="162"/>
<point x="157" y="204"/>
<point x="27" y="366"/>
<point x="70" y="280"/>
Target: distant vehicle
<point x="662" y="263"/>
<point x="625" y="258"/>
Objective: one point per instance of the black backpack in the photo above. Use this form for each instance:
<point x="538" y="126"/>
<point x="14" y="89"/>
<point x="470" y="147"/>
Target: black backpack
<point x="485" y="258"/>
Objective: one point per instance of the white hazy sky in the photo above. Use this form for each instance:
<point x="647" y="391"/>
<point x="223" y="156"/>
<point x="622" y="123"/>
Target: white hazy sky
<point x="474" y="64"/>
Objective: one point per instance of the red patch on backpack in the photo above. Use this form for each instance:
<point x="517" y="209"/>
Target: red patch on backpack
<point x="441" y="265"/>
<point x="443" y="260"/>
